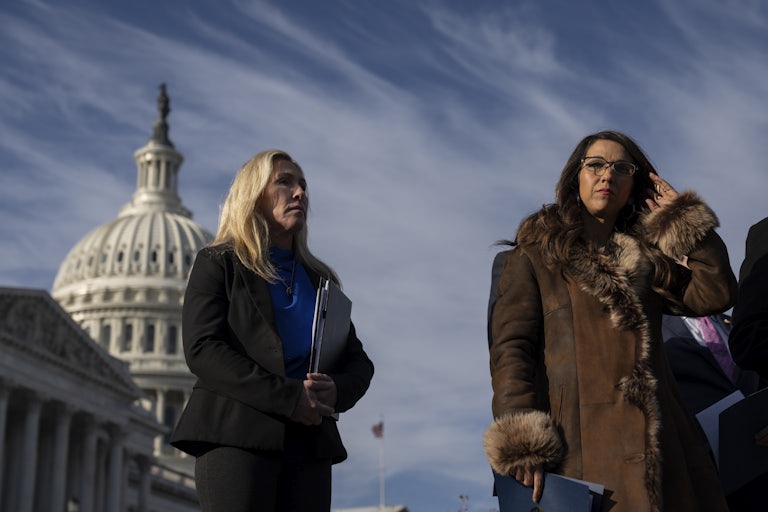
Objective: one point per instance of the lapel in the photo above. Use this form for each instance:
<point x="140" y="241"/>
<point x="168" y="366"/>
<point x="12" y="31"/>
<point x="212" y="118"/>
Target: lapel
<point x="618" y="277"/>
<point x="674" y="327"/>
<point x="745" y="380"/>
<point x="258" y="292"/>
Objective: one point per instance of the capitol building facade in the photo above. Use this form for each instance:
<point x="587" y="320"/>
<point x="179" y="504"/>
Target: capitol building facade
<point x="93" y="375"/>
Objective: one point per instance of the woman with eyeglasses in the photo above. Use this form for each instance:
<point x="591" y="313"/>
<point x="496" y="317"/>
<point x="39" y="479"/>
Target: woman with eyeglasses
<point x="580" y="380"/>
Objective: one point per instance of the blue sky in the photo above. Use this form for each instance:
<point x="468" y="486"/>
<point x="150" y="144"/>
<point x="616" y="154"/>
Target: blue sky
<point x="427" y="130"/>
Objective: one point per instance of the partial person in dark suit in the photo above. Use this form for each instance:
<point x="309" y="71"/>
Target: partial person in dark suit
<point x="259" y="425"/>
<point x="701" y="379"/>
<point x="755" y="246"/>
<point x="749" y="337"/>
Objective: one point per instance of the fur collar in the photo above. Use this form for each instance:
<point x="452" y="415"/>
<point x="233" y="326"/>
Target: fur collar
<point x="618" y="277"/>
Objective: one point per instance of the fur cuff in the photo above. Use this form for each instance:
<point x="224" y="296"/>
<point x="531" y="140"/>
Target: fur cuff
<point x="678" y="227"/>
<point x="522" y="439"/>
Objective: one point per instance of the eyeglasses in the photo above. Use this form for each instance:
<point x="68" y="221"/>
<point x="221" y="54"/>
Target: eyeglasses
<point x="598" y="165"/>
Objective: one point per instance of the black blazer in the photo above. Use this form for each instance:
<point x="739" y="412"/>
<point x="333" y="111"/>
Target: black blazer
<point x="755" y="247"/>
<point x="242" y="397"/>
<point x="699" y="377"/>
<point x="749" y="337"/>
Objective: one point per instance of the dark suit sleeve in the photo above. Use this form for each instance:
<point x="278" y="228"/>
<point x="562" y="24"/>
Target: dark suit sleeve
<point x="215" y="354"/>
<point x="355" y="375"/>
<point x="748" y="340"/>
<point x="755" y="247"/>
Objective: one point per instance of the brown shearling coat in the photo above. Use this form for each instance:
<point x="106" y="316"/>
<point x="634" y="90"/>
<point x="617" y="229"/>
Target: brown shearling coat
<point x="580" y="381"/>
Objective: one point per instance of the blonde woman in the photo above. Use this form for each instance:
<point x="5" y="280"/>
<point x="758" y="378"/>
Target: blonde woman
<point x="258" y="424"/>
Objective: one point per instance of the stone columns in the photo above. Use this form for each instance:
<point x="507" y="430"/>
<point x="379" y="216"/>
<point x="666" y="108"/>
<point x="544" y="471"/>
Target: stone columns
<point x="4" y="395"/>
<point x="144" y="465"/>
<point x="31" y="430"/>
<point x="60" y="455"/>
<point x="116" y="475"/>
<point x="88" y="475"/>
<point x="160" y="415"/>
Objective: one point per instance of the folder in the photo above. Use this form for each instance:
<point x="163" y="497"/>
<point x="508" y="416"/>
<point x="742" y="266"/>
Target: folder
<point x="730" y="425"/>
<point x="561" y="494"/>
<point x="741" y="460"/>
<point x="330" y="327"/>
<point x="709" y="419"/>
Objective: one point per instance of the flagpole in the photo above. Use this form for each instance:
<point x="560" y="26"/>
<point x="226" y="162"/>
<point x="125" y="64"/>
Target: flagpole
<point x="382" y="501"/>
<point x="378" y="433"/>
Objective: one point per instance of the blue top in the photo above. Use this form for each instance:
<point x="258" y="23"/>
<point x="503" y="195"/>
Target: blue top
<point x="294" y="313"/>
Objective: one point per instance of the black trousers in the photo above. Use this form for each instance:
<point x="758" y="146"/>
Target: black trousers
<point x="232" y="479"/>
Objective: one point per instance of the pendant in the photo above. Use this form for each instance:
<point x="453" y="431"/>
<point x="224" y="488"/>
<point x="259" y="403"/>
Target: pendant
<point x="289" y="291"/>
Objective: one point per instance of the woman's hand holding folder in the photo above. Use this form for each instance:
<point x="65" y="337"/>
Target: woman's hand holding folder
<point x="532" y="476"/>
<point x="314" y="401"/>
<point x="324" y="388"/>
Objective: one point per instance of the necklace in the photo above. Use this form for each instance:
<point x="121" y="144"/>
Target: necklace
<point x="289" y="288"/>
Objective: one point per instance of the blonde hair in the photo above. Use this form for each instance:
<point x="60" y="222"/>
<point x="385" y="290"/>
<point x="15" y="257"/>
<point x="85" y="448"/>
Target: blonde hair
<point x="244" y="229"/>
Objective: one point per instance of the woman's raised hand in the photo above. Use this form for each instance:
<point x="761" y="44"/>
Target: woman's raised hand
<point x="661" y="194"/>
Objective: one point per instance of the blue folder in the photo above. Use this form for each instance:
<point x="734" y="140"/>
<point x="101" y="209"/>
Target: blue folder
<point x="561" y="494"/>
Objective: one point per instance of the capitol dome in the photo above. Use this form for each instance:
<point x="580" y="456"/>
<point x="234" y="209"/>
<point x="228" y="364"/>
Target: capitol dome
<point x="124" y="281"/>
<point x="148" y="247"/>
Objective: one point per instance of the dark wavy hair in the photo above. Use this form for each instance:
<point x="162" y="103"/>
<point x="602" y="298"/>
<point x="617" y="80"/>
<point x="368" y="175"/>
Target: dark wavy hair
<point x="558" y="227"/>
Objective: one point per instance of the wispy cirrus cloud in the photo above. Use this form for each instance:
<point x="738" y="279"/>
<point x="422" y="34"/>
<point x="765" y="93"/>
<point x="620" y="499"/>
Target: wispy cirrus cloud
<point x="427" y="131"/>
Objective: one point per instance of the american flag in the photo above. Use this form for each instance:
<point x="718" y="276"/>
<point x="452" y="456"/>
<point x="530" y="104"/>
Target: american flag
<point x="378" y="430"/>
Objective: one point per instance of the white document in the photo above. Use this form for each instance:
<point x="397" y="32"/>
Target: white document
<point x="709" y="419"/>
